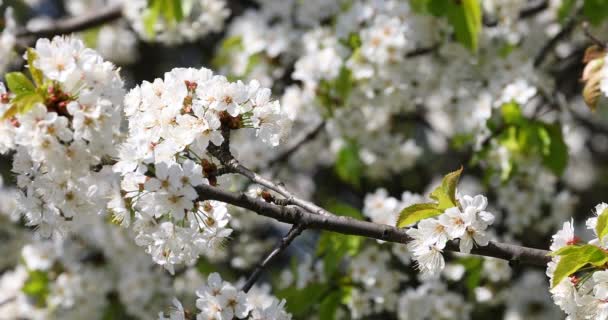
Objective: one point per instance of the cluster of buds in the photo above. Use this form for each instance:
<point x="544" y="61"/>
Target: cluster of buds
<point x="57" y="101"/>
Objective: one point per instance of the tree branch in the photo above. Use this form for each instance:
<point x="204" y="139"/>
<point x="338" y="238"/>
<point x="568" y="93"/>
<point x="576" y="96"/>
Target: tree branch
<point x="565" y="31"/>
<point x="222" y="153"/>
<point x="422" y="51"/>
<point x="529" y="11"/>
<point x="293" y="233"/>
<point x="350" y="226"/>
<point x="75" y="24"/>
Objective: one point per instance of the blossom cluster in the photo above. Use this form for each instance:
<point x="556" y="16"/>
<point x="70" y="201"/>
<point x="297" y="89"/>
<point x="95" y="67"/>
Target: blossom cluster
<point x="61" y="143"/>
<point x="200" y="17"/>
<point x="220" y="300"/>
<point x="172" y="122"/>
<point x="80" y="274"/>
<point x="467" y="223"/>
<point x="582" y="295"/>
<point x="369" y="50"/>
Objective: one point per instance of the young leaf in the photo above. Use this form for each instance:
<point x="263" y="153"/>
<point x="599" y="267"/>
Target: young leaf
<point x="511" y="113"/>
<point x="343" y="84"/>
<point x="575" y="258"/>
<point x="564" y="250"/>
<point x="18" y="83"/>
<point x="35" y="72"/>
<point x="417" y="212"/>
<point x="37" y="287"/>
<point x="333" y="247"/>
<point x="178" y="12"/>
<point x="26" y="101"/>
<point x="555" y="155"/>
<point x="465" y="17"/>
<point x="151" y="16"/>
<point x="601" y="228"/>
<point x="595" y="10"/>
<point x="445" y="194"/>
<point x="348" y="165"/>
<point x="10" y="112"/>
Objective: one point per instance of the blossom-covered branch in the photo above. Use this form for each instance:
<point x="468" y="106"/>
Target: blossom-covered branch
<point x="223" y="154"/>
<point x="350" y="226"/>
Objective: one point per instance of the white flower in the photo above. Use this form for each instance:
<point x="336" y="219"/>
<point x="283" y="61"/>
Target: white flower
<point x="39" y="256"/>
<point x="474" y="233"/>
<point x="233" y="303"/>
<point x="564" y="237"/>
<point x="434" y="232"/>
<point x="176" y="314"/>
<point x="221" y="300"/>
<point x="456" y="221"/>
<point x="429" y="257"/>
<point x="55" y="59"/>
<point x="592" y="222"/>
<point x="519" y="91"/>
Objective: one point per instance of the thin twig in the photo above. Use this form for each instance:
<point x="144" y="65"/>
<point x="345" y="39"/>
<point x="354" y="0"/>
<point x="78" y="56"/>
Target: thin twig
<point x="526" y="12"/>
<point x="223" y="154"/>
<point x="564" y="32"/>
<point x="293" y="233"/>
<point x="421" y="51"/>
<point x="350" y="226"/>
<point x="8" y="300"/>
<point x="591" y="37"/>
<point x="75" y="24"/>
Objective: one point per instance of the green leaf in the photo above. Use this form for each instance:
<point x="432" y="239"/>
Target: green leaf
<point x="445" y="194"/>
<point x="575" y="258"/>
<point x="595" y="10"/>
<point x="417" y="212"/>
<point x="343" y="84"/>
<point x="178" y="11"/>
<point x="223" y="55"/>
<point x="26" y="101"/>
<point x="348" y="165"/>
<point x="420" y="6"/>
<point x="90" y="37"/>
<point x="300" y="301"/>
<point x="329" y="306"/>
<point x="511" y="113"/>
<point x="555" y="154"/>
<point x="334" y="247"/>
<point x="151" y="16"/>
<point x="506" y="49"/>
<point x="565" y="250"/>
<point x="253" y="61"/>
<point x="343" y="209"/>
<point x="601" y="228"/>
<point x="35" y="72"/>
<point x="115" y="310"/>
<point x="353" y="41"/>
<point x="37" y="287"/>
<point x="233" y="42"/>
<point x="532" y="137"/>
<point x="331" y="303"/>
<point x="565" y="9"/>
<point x="465" y="17"/>
<point x="18" y="83"/>
<point x="438" y="7"/>
<point x="474" y="269"/>
<point x="334" y="94"/>
<point x="10" y="112"/>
